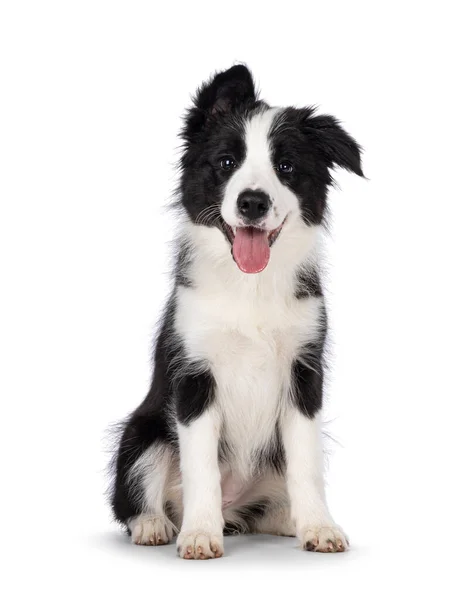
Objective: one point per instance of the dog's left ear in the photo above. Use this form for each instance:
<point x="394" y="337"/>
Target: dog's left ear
<point x="335" y="145"/>
<point x="225" y="92"/>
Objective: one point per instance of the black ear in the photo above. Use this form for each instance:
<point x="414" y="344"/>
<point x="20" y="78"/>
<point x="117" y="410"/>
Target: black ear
<point x="336" y="146"/>
<point x="225" y="92"/>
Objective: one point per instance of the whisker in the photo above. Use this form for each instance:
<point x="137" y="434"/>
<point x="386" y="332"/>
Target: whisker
<point x="208" y="213"/>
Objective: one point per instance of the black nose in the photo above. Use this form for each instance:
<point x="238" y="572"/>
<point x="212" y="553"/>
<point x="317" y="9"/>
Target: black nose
<point x="253" y="204"/>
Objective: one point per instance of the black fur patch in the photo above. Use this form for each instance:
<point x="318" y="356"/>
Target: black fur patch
<point x="141" y="431"/>
<point x="194" y="393"/>
<point x="307" y="386"/>
<point x="182" y="266"/>
<point x="224" y="449"/>
<point x="228" y="92"/>
<point x="307" y="374"/>
<point x="250" y="514"/>
<point x="149" y="423"/>
<point x="308" y="284"/>
<point x="273" y="457"/>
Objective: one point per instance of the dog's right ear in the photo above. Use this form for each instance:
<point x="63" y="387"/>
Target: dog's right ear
<point x="222" y="94"/>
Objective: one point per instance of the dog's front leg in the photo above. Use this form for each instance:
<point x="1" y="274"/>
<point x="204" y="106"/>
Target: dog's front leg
<point x="201" y="534"/>
<point x="302" y="439"/>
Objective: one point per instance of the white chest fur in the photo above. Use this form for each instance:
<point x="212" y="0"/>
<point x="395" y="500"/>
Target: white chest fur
<point x="248" y="329"/>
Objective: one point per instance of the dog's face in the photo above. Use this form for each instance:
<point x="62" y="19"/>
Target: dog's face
<point x="249" y="169"/>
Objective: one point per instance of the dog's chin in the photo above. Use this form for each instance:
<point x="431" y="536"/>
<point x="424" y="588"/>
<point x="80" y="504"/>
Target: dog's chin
<point x="250" y="246"/>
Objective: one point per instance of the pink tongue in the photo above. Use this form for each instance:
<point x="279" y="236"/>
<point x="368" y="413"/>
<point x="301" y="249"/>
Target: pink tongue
<point x="251" y="249"/>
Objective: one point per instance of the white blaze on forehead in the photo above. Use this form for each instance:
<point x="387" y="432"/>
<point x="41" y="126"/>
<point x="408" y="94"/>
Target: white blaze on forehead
<point x="257" y="168"/>
<point x="257" y="172"/>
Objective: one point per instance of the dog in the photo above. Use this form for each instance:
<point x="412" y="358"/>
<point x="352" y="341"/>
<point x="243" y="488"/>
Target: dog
<point x="228" y="439"/>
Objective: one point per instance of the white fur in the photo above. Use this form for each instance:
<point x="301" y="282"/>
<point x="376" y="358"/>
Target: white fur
<point x="202" y="498"/>
<point x="302" y="440"/>
<point x="149" y="477"/>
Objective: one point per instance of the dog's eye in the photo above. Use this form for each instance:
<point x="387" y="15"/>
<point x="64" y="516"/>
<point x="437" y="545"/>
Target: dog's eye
<point x="227" y="163"/>
<point x="285" y="167"/>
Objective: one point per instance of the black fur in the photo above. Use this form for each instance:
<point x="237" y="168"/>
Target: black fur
<point x="308" y="284"/>
<point x="193" y="394"/>
<point x="308" y="382"/>
<point x="307" y="374"/>
<point x="182" y="266"/>
<point x="149" y="422"/>
<point x="249" y="515"/>
<point x="272" y="457"/>
<point x="314" y="144"/>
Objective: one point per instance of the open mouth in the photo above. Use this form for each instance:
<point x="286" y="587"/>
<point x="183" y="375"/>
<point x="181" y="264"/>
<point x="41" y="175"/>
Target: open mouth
<point x="251" y="246"/>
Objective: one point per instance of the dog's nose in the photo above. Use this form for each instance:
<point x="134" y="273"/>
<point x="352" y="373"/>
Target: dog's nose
<point x="253" y="204"/>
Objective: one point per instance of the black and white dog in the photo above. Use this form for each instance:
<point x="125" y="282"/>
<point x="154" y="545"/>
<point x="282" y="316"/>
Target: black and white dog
<point x="228" y="438"/>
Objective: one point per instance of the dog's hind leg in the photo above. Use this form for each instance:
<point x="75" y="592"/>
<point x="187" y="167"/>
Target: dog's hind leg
<point x="276" y="520"/>
<point x="265" y="508"/>
<point x="149" y="479"/>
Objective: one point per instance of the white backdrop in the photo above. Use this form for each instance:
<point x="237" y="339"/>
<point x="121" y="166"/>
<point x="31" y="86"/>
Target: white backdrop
<point x="90" y="104"/>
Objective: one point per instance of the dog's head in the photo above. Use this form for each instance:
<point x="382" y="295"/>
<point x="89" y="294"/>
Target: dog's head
<point x="249" y="169"/>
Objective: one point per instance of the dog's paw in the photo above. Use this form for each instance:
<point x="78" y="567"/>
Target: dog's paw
<point x="324" y="539"/>
<point x="150" y="530"/>
<point x="199" y="545"/>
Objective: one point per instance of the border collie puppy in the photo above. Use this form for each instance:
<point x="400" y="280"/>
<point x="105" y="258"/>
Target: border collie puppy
<point x="228" y="439"/>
